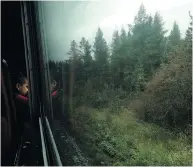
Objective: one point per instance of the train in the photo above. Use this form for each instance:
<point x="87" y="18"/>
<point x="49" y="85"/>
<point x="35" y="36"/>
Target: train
<point x="23" y="51"/>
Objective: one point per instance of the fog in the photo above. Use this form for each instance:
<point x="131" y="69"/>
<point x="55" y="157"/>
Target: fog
<point x="70" y="20"/>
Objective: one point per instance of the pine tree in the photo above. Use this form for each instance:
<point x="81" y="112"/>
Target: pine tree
<point x="188" y="38"/>
<point x="85" y="49"/>
<point x="101" y="56"/>
<point x="81" y="45"/>
<point x="155" y="44"/>
<point x="100" y="49"/>
<point x="174" y="36"/>
<point x="116" y="42"/>
<point x="173" y="41"/>
<point x="140" y="34"/>
<point x="115" y="57"/>
<point x="141" y="16"/>
<point x="123" y="36"/>
<point x="76" y="64"/>
<point x="74" y="52"/>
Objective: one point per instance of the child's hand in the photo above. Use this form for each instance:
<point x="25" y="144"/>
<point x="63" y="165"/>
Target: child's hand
<point x="59" y="94"/>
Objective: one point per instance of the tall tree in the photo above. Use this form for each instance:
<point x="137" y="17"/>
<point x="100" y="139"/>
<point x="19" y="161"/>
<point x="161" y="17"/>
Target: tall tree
<point x="174" y="36"/>
<point x="100" y="49"/>
<point x="74" y="52"/>
<point x="115" y="57"/>
<point x="141" y="16"/>
<point x="116" y="42"/>
<point x="101" y="56"/>
<point x="140" y="34"/>
<point x="155" y="44"/>
<point x="85" y="49"/>
<point x="188" y="38"/>
<point x="115" y="46"/>
<point x="76" y="64"/>
<point x="173" y="41"/>
<point x="81" y="45"/>
<point x="140" y="31"/>
<point x="123" y="36"/>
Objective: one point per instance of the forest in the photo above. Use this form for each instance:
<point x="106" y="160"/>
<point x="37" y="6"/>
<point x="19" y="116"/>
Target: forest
<point x="130" y="101"/>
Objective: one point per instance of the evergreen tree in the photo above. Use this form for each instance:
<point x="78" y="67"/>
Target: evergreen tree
<point x="85" y="49"/>
<point x="174" y="36"/>
<point x="75" y="62"/>
<point x="100" y="49"/>
<point x="74" y="52"/>
<point x="188" y="38"/>
<point x="115" y="57"/>
<point x="155" y="44"/>
<point x="116" y="42"/>
<point x="82" y="46"/>
<point x="173" y="41"/>
<point x="123" y="36"/>
<point x="101" y="57"/>
<point x="141" y="16"/>
<point x="140" y="34"/>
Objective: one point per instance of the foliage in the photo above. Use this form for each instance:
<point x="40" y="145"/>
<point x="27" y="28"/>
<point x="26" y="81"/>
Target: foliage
<point x="121" y="139"/>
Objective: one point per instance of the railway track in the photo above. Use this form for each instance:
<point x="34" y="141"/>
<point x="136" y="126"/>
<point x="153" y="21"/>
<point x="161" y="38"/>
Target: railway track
<point x="69" y="151"/>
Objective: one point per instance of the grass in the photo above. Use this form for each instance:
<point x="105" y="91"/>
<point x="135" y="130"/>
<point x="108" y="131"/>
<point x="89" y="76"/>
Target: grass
<point x="121" y="139"/>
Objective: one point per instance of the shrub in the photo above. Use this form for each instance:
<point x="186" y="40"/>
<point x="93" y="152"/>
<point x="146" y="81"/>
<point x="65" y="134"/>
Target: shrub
<point x="167" y="99"/>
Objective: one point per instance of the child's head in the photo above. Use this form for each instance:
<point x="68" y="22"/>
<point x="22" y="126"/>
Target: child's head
<point x="22" y="85"/>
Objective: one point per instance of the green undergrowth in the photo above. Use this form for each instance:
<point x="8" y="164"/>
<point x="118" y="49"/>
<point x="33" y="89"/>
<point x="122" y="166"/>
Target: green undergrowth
<point x="121" y="139"/>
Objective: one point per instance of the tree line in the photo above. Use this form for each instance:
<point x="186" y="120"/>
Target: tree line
<point x="132" y="60"/>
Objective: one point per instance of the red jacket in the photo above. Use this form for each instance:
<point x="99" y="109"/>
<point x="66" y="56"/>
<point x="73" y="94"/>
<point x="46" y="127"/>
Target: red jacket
<point x="22" y="98"/>
<point x="22" y="107"/>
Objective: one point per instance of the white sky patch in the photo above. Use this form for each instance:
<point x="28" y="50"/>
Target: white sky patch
<point x="170" y="10"/>
<point x="110" y="15"/>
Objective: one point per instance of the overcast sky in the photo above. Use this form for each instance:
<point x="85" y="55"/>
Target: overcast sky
<point x="70" y="20"/>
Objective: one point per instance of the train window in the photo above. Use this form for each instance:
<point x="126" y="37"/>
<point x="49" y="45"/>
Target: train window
<point x="117" y="79"/>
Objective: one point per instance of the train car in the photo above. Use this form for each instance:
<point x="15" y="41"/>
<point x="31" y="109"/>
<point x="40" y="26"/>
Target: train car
<point x="23" y="51"/>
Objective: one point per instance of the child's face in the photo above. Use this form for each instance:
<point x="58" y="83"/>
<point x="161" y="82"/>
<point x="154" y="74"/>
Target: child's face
<point x="23" y="89"/>
<point x="53" y="85"/>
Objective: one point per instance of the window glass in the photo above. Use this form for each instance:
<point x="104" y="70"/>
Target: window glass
<point x="119" y="80"/>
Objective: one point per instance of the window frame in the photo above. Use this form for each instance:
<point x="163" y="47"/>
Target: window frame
<point x="38" y="74"/>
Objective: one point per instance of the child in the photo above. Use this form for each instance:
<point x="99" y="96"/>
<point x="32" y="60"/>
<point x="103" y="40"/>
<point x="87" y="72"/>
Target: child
<point x="26" y="128"/>
<point x="21" y="102"/>
<point x="22" y="89"/>
<point x="55" y="92"/>
<point x="57" y="99"/>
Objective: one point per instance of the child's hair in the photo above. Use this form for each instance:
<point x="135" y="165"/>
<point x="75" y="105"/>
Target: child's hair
<point x="18" y="79"/>
<point x="21" y="80"/>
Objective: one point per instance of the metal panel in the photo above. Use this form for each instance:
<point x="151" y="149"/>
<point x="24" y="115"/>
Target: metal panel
<point x="58" y="161"/>
<point x="43" y="144"/>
